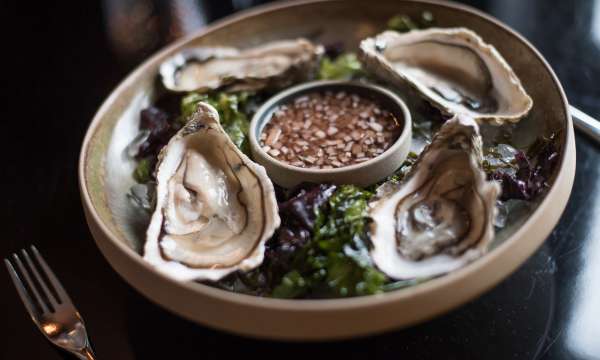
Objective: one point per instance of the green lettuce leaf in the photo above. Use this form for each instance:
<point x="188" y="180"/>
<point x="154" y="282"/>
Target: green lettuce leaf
<point x="231" y="114"/>
<point x="336" y="262"/>
<point x="143" y="171"/>
<point x="344" y="67"/>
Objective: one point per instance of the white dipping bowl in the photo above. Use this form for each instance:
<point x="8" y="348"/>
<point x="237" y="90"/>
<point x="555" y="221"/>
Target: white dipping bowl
<point x="362" y="174"/>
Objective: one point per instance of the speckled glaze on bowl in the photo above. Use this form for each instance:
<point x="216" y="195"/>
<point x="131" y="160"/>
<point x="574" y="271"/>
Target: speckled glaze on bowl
<point x="104" y="176"/>
<point x="362" y="174"/>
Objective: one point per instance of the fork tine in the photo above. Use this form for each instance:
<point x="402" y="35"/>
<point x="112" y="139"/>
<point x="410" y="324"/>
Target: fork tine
<point x="63" y="296"/>
<point x="23" y="294"/>
<point x="39" y="278"/>
<point x="42" y="304"/>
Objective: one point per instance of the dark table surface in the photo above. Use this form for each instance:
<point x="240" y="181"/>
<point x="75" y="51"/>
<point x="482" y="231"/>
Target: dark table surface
<point x="63" y="59"/>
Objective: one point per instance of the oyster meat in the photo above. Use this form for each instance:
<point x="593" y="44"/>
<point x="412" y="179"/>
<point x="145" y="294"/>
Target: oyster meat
<point x="441" y="217"/>
<point x="215" y="208"/>
<point x="273" y="65"/>
<point x="454" y="69"/>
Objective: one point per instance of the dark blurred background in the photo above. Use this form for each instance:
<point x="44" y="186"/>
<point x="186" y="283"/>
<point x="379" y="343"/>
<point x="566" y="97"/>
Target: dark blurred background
<point x="61" y="59"/>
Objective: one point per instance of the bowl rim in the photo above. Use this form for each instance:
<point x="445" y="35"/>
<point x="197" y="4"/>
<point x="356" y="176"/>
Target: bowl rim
<point x="289" y="94"/>
<point x="565" y="176"/>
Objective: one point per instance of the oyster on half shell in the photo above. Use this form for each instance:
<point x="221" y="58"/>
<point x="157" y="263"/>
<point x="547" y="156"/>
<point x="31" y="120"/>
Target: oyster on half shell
<point x="453" y="68"/>
<point x="441" y="217"/>
<point x="273" y="65"/>
<point x="215" y="208"/>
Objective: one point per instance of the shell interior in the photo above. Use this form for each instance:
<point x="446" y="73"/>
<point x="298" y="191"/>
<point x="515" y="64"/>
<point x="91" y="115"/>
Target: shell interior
<point x="454" y="69"/>
<point x="215" y="208"/>
<point x="441" y="217"/>
<point x="272" y="65"/>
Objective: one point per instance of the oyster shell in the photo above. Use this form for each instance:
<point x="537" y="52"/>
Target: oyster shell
<point x="454" y="69"/>
<point x="215" y="208"/>
<point x="441" y="217"/>
<point x="273" y="65"/>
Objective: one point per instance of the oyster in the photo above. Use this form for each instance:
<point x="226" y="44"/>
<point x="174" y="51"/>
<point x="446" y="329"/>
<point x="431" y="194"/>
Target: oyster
<point x="215" y="208"/>
<point x="454" y="69"/>
<point x="273" y="65"/>
<point x="441" y="217"/>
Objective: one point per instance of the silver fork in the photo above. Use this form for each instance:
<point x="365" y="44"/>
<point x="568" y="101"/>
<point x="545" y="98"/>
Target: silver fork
<point x="52" y="312"/>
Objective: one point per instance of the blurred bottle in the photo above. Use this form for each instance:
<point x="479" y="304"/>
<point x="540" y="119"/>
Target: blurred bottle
<point x="137" y="28"/>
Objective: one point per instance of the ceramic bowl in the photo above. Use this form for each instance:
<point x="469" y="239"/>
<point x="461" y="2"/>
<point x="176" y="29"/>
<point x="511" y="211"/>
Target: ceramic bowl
<point x="105" y="178"/>
<point x="362" y="174"/>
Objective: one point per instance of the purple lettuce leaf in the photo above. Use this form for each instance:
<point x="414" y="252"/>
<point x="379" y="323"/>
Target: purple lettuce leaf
<point x="159" y="124"/>
<point x="298" y="214"/>
<point x="533" y="171"/>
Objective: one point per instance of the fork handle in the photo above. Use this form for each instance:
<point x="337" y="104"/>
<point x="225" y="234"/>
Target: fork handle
<point x="86" y="354"/>
<point x="586" y="124"/>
